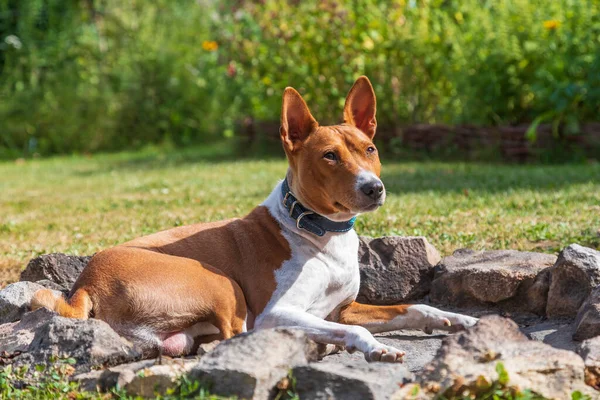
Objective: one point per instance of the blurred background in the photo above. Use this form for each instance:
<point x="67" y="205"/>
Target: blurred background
<point x="471" y="79"/>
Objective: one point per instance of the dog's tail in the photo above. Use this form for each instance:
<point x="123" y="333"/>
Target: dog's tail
<point x="78" y="306"/>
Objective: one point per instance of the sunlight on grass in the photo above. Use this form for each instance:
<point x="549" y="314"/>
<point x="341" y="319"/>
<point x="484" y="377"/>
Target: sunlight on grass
<point x="79" y="205"/>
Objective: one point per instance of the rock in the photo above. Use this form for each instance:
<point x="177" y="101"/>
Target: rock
<point x="205" y="348"/>
<point x="44" y="337"/>
<point x="575" y="274"/>
<point x="513" y="281"/>
<point x="557" y="333"/>
<point x="590" y="352"/>
<point x="251" y="364"/>
<point x="420" y="348"/>
<point x="58" y="268"/>
<point x="329" y="380"/>
<point x="467" y="362"/>
<point x="48" y="284"/>
<point x="16" y="337"/>
<point x="142" y="378"/>
<point x="587" y="323"/>
<point x="15" y="299"/>
<point x="395" y="269"/>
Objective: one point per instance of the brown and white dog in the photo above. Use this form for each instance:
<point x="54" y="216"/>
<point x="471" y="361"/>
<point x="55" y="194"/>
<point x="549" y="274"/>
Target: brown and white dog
<point x="292" y="262"/>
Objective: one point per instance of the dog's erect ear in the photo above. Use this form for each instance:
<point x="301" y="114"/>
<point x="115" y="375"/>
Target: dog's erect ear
<point x="361" y="106"/>
<point x="296" y="120"/>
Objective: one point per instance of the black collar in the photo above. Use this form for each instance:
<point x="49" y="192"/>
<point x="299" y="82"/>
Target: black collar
<point x="310" y="220"/>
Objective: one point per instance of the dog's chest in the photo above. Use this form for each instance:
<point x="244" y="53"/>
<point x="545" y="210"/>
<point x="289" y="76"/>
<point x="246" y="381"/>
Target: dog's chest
<point x="319" y="279"/>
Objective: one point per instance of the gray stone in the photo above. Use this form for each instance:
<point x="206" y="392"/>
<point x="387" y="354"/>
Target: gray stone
<point x="509" y="280"/>
<point x="575" y="274"/>
<point x="15" y="299"/>
<point x="420" y="349"/>
<point x="59" y="268"/>
<point x="589" y="350"/>
<point x="205" y="348"/>
<point x="467" y="361"/>
<point x="16" y="337"/>
<point x="250" y="365"/>
<point x="556" y="333"/>
<point x="142" y="378"/>
<point x="587" y="323"/>
<point x="348" y="381"/>
<point x="395" y="269"/>
<point x="48" y="337"/>
<point x="48" y="284"/>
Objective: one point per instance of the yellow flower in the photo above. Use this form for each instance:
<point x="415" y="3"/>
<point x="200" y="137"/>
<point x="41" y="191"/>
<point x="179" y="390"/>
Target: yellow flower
<point x="551" y="24"/>
<point x="210" y="45"/>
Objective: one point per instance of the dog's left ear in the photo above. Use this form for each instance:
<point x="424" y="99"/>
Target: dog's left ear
<point x="361" y="106"/>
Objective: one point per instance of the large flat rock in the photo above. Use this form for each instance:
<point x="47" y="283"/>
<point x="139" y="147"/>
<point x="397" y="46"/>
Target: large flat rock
<point x="508" y="280"/>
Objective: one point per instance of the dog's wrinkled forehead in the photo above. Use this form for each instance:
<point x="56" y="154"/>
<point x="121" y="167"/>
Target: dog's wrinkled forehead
<point x="339" y="137"/>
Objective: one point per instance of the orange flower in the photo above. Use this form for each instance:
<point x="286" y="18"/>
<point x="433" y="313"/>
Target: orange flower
<point x="210" y="45"/>
<point x="551" y="24"/>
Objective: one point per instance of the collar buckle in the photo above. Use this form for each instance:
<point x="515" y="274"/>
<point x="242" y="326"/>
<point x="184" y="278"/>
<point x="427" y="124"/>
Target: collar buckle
<point x="304" y="214"/>
<point x="288" y="194"/>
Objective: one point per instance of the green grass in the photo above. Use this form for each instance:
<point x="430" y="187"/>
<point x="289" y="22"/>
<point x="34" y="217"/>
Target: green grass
<point x="82" y="204"/>
<point x="54" y="382"/>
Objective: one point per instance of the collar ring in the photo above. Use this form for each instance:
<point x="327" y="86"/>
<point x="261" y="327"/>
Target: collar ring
<point x="304" y="214"/>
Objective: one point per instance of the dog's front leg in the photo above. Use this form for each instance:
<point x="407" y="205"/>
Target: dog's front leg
<point x="408" y="316"/>
<point x="321" y="331"/>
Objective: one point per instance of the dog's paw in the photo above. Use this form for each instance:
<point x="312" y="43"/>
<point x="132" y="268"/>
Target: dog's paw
<point x="460" y="322"/>
<point x="384" y="353"/>
<point x="430" y="318"/>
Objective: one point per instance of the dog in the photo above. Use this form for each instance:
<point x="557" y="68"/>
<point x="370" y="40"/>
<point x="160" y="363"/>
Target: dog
<point x="291" y="262"/>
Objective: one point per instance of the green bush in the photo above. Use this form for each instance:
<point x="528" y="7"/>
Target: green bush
<point x="88" y="76"/>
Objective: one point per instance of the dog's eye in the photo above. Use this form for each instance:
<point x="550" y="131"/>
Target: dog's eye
<point x="371" y="150"/>
<point x="330" y="155"/>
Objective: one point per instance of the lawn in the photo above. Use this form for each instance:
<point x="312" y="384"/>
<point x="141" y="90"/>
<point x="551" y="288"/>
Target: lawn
<point x="81" y="204"/>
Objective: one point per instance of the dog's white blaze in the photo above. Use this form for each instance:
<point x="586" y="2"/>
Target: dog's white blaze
<point x="322" y="272"/>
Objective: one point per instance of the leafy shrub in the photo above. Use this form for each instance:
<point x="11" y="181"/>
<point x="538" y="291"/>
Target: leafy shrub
<point x="87" y="76"/>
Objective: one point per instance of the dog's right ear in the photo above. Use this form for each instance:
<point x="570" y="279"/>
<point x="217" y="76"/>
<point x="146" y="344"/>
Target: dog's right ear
<point x="296" y="120"/>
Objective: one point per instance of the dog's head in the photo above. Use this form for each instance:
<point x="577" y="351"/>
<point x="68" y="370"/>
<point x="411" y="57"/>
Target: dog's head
<point x="334" y="169"/>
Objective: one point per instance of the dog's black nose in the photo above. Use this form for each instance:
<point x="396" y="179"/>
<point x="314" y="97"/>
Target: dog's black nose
<point x="373" y="189"/>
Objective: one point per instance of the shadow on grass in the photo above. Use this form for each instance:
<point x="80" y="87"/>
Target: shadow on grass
<point x="158" y="158"/>
<point x="491" y="178"/>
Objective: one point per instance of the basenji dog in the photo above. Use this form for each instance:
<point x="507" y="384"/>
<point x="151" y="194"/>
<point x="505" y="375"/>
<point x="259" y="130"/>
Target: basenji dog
<point x="291" y="262"/>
